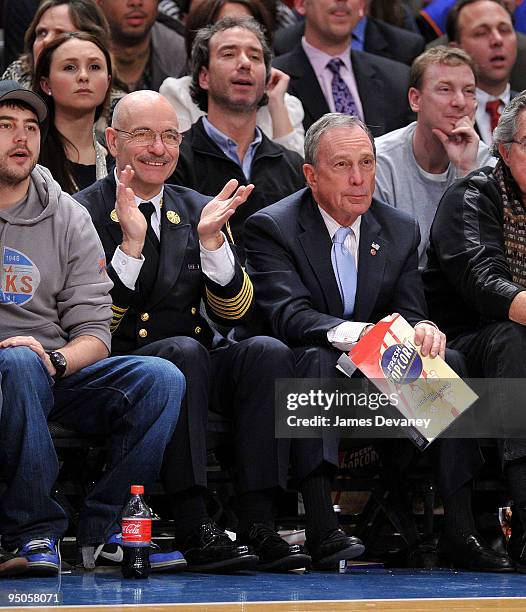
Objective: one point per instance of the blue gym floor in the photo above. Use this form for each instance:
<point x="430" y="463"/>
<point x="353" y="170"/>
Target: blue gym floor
<point x="107" y="588"/>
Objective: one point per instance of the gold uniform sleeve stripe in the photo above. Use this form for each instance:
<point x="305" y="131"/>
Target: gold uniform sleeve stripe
<point x="234" y="301"/>
<point x="247" y="283"/>
<point x="117" y="316"/>
<point x="118" y="309"/>
<point x="232" y="313"/>
<point x="232" y="308"/>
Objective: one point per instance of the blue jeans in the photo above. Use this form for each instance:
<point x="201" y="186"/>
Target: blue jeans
<point x="134" y="401"/>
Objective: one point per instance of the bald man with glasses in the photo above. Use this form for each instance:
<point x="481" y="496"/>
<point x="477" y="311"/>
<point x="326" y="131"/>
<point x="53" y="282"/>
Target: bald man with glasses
<point x="167" y="252"/>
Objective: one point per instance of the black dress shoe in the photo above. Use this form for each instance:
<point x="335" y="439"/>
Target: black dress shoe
<point x="11" y="565"/>
<point x="517" y="551"/>
<point x="275" y="555"/>
<point x="209" y="549"/>
<point x="337" y="546"/>
<point x="474" y="554"/>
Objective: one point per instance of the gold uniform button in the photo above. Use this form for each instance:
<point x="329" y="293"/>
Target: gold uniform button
<point x="143" y="333"/>
<point x="197" y="330"/>
<point x="145" y="316"/>
<point x="194" y="310"/>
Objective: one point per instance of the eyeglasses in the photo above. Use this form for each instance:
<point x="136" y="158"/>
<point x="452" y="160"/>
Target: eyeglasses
<point x="521" y="143"/>
<point x="146" y="137"/>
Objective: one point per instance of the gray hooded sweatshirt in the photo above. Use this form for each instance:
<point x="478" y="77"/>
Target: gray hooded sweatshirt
<point x="53" y="281"/>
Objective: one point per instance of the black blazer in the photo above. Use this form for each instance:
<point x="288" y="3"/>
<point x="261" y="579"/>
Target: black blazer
<point x="289" y="261"/>
<point x="166" y="298"/>
<point x="381" y="38"/>
<point x="382" y="85"/>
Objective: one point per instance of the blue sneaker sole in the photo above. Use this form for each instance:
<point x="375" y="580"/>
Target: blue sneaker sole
<point x="42" y="568"/>
<point x="174" y="565"/>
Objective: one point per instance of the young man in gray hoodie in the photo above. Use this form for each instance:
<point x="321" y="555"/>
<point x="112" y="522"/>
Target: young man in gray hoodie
<point x="55" y="311"/>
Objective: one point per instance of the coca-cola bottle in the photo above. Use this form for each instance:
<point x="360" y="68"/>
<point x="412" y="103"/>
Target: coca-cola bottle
<point x="136" y="535"/>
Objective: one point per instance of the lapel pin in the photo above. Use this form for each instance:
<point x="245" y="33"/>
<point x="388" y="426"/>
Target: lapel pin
<point x="173" y="217"/>
<point x="375" y="247"/>
<point x="113" y="216"/>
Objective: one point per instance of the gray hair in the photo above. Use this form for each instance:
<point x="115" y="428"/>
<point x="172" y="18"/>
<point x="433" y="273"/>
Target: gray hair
<point x="328" y="122"/>
<point x="508" y="124"/>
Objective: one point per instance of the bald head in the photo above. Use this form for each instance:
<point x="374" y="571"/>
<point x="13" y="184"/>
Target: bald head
<point x="140" y="104"/>
<point x="153" y="161"/>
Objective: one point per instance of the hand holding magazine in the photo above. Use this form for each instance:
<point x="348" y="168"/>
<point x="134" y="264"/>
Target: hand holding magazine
<point x="428" y="389"/>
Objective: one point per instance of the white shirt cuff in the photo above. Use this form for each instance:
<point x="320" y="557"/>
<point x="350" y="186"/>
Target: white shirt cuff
<point x="127" y="268"/>
<point x="218" y="265"/>
<point x="346" y="334"/>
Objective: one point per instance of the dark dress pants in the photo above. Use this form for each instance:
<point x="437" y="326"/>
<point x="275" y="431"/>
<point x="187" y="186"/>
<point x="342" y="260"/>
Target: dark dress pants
<point x="236" y="380"/>
<point x="498" y="352"/>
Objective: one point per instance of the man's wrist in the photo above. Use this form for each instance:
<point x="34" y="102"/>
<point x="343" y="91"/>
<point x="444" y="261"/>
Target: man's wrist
<point x="132" y="248"/>
<point x="212" y="243"/>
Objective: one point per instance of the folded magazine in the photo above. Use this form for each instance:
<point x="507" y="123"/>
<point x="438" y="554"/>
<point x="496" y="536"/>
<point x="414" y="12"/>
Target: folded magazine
<point x="428" y="389"/>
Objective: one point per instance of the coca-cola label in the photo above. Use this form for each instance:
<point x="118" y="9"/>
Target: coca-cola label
<point x="136" y="530"/>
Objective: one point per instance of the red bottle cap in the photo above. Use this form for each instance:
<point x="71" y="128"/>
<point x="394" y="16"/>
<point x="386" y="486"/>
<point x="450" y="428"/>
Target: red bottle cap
<point x="137" y="489"/>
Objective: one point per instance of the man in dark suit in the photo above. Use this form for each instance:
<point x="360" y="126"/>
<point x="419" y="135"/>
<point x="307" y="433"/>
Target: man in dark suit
<point x="167" y="252"/>
<point x="292" y="257"/>
<point x="327" y="76"/>
<point x="379" y="38"/>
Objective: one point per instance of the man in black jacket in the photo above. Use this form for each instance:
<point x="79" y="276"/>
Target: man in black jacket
<point x="230" y="72"/>
<point x="475" y="283"/>
<point x="167" y="252"/>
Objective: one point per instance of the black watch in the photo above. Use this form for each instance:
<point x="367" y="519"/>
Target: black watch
<point x="59" y="363"/>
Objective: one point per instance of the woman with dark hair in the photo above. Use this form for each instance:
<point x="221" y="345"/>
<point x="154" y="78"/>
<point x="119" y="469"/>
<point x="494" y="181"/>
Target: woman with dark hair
<point x="281" y="119"/>
<point x="205" y="12"/>
<point x="54" y="17"/>
<point x="74" y="73"/>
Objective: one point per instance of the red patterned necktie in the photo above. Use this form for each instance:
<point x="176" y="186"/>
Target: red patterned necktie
<point x="492" y="108"/>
